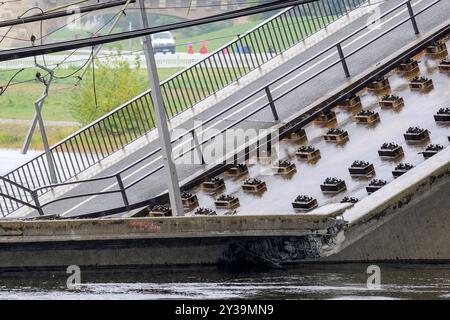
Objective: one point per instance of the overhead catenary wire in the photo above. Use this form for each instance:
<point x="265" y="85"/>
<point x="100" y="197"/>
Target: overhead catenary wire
<point x="62" y="62"/>
<point x="53" y="13"/>
<point x="65" y="25"/>
<point x="237" y="3"/>
<point x="19" y="18"/>
<point x="74" y="51"/>
<point x="64" y="6"/>
<point x="58" y="64"/>
<point x="76" y="71"/>
<point x="94" y="86"/>
<point x="275" y="27"/>
<point x="189" y="7"/>
<point x="121" y="13"/>
<point x="3" y="89"/>
<point x="87" y="42"/>
<point x="140" y="50"/>
<point x="36" y="18"/>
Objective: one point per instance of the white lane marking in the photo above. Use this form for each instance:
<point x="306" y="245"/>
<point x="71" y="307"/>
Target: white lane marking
<point x="246" y="106"/>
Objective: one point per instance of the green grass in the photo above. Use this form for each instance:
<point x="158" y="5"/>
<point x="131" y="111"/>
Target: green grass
<point x="66" y="33"/>
<point x="18" y="101"/>
<point x="12" y="136"/>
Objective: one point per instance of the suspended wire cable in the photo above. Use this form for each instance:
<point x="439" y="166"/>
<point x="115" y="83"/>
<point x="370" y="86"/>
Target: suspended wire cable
<point x="94" y="87"/>
<point x="90" y="56"/>
<point x="65" y="25"/>
<point x="75" y="72"/>
<point x="189" y="7"/>
<point x="5" y="36"/>
<point x="111" y="20"/>
<point x="203" y="6"/>
<point x="3" y="89"/>
<point x="86" y="42"/>
<point x="63" y="61"/>
<point x="178" y="45"/>
<point x="74" y="51"/>
<point x="99" y="48"/>
<point x="24" y="13"/>
<point x="86" y="61"/>
<point x="106" y="56"/>
<point x="79" y="18"/>
<point x="67" y="5"/>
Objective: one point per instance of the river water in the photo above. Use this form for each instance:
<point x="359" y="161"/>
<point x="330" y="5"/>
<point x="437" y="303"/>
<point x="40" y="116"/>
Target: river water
<point x="398" y="281"/>
<point x="348" y="281"/>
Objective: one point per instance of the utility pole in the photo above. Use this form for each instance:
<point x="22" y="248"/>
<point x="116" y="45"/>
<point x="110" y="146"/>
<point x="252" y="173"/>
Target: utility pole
<point x="35" y="120"/>
<point x="38" y="105"/>
<point x="161" y="123"/>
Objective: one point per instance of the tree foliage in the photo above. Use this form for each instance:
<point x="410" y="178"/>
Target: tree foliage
<point x="116" y="82"/>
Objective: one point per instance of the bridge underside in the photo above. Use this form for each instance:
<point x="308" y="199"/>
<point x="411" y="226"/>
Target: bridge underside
<point x="412" y="226"/>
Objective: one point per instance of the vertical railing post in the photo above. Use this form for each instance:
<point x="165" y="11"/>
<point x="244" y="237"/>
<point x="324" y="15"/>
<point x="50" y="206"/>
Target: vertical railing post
<point x="413" y="18"/>
<point x="35" y="198"/>
<point x="197" y="146"/>
<point x="272" y="104"/>
<point x="123" y="192"/>
<point x="342" y="58"/>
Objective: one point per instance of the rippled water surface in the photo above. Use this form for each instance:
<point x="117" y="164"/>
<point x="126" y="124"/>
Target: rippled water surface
<point x="302" y="282"/>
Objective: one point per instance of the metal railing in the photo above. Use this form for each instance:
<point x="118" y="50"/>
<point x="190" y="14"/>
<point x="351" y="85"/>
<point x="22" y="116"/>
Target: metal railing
<point x="134" y="119"/>
<point x="121" y="188"/>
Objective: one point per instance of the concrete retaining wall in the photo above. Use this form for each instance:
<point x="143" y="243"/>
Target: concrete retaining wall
<point x="163" y="241"/>
<point x="407" y="220"/>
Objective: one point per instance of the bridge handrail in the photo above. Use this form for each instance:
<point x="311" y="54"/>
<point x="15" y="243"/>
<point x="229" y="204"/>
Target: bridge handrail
<point x="265" y="105"/>
<point x="69" y="152"/>
<point x="15" y="184"/>
<point x="221" y="112"/>
<point x="163" y="82"/>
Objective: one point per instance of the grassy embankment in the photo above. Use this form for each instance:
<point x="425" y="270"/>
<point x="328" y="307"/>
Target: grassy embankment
<point x="18" y="103"/>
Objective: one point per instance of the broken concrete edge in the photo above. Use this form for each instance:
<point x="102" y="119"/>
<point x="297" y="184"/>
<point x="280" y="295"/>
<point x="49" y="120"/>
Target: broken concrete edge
<point x="331" y="210"/>
<point x="164" y="228"/>
<point x="375" y="210"/>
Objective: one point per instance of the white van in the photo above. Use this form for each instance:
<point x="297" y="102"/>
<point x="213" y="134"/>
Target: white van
<point x="163" y="42"/>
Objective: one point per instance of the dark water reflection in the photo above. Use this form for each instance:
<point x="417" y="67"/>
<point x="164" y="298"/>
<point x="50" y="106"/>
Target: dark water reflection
<point x="399" y="281"/>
